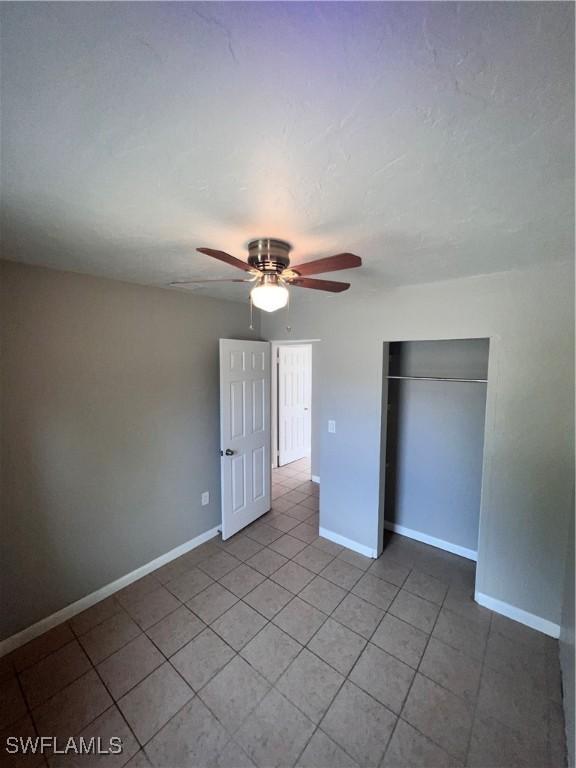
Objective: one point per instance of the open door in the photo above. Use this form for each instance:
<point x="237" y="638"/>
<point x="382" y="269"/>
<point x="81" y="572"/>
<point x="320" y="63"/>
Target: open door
<point x="294" y="402"/>
<point x="244" y="432"/>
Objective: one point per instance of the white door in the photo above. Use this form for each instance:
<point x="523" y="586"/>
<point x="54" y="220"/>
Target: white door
<point x="244" y="432"/>
<point x="294" y="401"/>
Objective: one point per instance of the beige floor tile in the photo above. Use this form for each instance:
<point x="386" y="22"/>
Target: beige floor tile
<point x="263" y="534"/>
<point x="382" y="676"/>
<point x="415" y="610"/>
<point x="287" y="545"/>
<point x="268" y="598"/>
<point x="359" y="724"/>
<point x="212" y="602"/>
<point x="358" y="615"/>
<point x="311" y="684"/>
<point x="300" y="620"/>
<point x="242" y="580"/>
<point x="437" y="713"/>
<point x="109" y="636"/>
<point x="425" y="586"/>
<point x="275" y="733"/>
<point x="137" y="590"/>
<point x="410" y="749"/>
<point x="152" y="607"/>
<point x="452" y="669"/>
<point x="271" y="651"/>
<point x="322" y="752"/>
<point x="521" y="634"/>
<point x="188" y="585"/>
<point x="493" y="744"/>
<point x="292" y="577"/>
<point x="266" y="561"/>
<point x="281" y="521"/>
<point x="219" y="564"/>
<point x="193" y="737"/>
<point x="239" y="625"/>
<point x="233" y="755"/>
<point x="234" y="692"/>
<point x="95" y="615"/>
<point x="341" y="573"/>
<point x="172" y="570"/>
<point x="462" y="603"/>
<point x="514" y="658"/>
<point x="53" y="673"/>
<point x="108" y="725"/>
<point x="323" y="594"/>
<point x="337" y="645"/>
<point x="457" y="631"/>
<point x="23" y="728"/>
<point x="314" y="559"/>
<point x="128" y="666"/>
<point x="375" y="591"/>
<point x="41" y="646"/>
<point x="389" y="570"/>
<point x="512" y="701"/>
<point x="305" y="532"/>
<point x="327" y="546"/>
<point x="72" y="708"/>
<point x="202" y="658"/>
<point x="244" y="548"/>
<point x="175" y="630"/>
<point x="356" y="559"/>
<point x="150" y="705"/>
<point x="12" y="704"/>
<point x="400" y="639"/>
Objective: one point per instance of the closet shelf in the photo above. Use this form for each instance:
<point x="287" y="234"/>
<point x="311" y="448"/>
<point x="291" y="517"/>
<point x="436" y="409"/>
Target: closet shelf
<point x="437" y="378"/>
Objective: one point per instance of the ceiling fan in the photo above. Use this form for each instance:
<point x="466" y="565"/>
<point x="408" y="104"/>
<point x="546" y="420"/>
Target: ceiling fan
<point x="269" y="268"/>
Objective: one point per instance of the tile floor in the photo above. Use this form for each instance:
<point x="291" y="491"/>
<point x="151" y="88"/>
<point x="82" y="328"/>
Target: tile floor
<point x="280" y="648"/>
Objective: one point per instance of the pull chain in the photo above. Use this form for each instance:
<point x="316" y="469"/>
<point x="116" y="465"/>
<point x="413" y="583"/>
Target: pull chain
<point x="251" y="326"/>
<point x="288" y="326"/>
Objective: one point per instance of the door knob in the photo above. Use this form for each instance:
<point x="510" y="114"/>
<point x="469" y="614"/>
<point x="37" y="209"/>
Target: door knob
<point x="229" y="452"/>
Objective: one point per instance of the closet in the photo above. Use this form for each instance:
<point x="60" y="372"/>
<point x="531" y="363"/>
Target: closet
<point x="434" y="439"/>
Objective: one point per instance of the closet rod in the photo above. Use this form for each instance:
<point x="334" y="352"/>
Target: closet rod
<point x="437" y="378"/>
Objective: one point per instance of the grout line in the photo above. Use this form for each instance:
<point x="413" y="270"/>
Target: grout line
<point x="475" y="708"/>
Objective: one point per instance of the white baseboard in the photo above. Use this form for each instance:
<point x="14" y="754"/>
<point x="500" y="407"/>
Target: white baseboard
<point x="15" y="641"/>
<point x="456" y="549"/>
<point x="316" y="478"/>
<point x="517" y="614"/>
<point x="348" y="543"/>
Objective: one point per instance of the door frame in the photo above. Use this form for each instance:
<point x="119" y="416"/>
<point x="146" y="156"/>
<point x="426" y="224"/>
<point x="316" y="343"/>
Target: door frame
<point x="490" y="427"/>
<point x="274" y="345"/>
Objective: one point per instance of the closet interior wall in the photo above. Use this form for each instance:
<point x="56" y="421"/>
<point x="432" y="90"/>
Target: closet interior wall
<point x="435" y="439"/>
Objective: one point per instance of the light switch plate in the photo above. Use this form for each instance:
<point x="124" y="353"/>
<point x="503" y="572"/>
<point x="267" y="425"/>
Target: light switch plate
<point x="205" y="498"/>
<point x="331" y="425"/>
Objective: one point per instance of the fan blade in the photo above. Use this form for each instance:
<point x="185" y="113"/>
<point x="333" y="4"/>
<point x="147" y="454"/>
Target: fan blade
<point x="218" y="280"/>
<point x="225" y="257"/>
<point x="320" y="285"/>
<point x="329" y="264"/>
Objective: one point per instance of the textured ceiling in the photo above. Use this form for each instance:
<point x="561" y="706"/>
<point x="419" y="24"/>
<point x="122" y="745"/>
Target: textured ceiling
<point x="433" y="139"/>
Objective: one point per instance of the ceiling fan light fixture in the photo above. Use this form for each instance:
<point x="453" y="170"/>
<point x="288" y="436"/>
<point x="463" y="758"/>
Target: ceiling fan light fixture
<point x="270" y="294"/>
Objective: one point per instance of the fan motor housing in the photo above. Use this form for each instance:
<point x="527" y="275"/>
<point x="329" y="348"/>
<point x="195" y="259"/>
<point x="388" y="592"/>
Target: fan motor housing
<point x="268" y="254"/>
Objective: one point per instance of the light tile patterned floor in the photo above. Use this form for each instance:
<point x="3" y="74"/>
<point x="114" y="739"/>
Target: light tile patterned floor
<point x="279" y="648"/>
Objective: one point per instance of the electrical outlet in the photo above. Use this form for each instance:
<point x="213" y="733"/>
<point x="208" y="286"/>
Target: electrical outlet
<point x="205" y="498"/>
<point x="331" y="425"/>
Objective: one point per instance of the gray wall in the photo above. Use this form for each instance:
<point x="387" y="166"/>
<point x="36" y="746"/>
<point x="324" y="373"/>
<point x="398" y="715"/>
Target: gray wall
<point x="110" y="431"/>
<point x="528" y="452"/>
<point x="435" y="439"/>
<point x="567" y="648"/>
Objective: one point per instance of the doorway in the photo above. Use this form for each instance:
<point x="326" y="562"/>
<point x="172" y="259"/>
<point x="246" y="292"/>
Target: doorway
<point x="292" y="406"/>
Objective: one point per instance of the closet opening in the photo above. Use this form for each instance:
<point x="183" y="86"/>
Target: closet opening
<point x="433" y="414"/>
